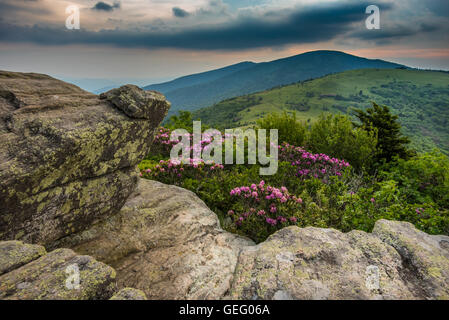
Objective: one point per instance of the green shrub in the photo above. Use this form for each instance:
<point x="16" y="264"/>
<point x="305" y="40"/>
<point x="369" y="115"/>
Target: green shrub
<point x="422" y="179"/>
<point x="289" y="128"/>
<point x="335" y="135"/>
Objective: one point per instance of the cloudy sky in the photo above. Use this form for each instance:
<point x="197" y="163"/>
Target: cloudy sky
<point x="161" y="39"/>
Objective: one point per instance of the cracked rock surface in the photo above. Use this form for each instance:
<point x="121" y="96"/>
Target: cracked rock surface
<point x="167" y="243"/>
<point x="129" y="294"/>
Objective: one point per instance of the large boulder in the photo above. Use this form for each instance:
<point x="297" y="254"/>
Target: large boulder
<point x="396" y="261"/>
<point x="32" y="274"/>
<point x="165" y="242"/>
<point x="68" y="157"/>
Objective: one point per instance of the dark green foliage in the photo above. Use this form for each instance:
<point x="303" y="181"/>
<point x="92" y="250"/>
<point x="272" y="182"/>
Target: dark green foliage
<point x="390" y="141"/>
<point x="183" y="120"/>
<point x="422" y="179"/>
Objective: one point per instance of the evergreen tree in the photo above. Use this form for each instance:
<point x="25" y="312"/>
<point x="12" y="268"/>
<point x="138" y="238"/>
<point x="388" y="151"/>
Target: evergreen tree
<point x="390" y="141"/>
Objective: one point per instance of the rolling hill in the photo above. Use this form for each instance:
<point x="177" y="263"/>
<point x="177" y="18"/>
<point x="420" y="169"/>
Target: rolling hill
<point x="420" y="98"/>
<point x="204" y="89"/>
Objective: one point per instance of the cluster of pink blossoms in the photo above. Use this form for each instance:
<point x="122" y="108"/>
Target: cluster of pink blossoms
<point x="309" y="165"/>
<point x="162" y="136"/>
<point x="163" y="144"/>
<point x="272" y="204"/>
<point x="173" y="170"/>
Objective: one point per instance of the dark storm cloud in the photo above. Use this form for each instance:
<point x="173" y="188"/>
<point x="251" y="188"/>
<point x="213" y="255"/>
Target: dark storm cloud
<point x="103" y="6"/>
<point x="386" y="35"/>
<point x="310" y="24"/>
<point x="180" y="13"/>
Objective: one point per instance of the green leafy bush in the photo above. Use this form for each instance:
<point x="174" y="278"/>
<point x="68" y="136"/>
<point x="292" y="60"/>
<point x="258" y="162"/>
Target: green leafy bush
<point x="422" y="179"/>
<point x="289" y="128"/>
<point x="335" y="135"/>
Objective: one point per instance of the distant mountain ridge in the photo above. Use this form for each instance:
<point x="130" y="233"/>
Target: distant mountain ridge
<point x="204" y="89"/>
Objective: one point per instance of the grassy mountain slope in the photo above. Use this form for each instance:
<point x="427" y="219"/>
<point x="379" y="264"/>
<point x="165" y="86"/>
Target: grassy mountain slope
<point x="194" y="92"/>
<point x="420" y="98"/>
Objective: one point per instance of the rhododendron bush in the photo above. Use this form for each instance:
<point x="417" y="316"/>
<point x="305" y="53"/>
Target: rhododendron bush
<point x="174" y="171"/>
<point x="261" y="209"/>
<point x="309" y="165"/>
<point x="309" y="189"/>
<point x="163" y="143"/>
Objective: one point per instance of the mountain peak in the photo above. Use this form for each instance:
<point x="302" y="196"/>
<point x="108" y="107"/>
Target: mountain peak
<point x="204" y="89"/>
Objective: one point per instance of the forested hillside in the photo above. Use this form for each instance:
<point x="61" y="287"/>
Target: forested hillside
<point x="419" y="98"/>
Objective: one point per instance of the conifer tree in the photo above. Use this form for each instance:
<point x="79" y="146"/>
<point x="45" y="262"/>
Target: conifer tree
<point x="390" y="141"/>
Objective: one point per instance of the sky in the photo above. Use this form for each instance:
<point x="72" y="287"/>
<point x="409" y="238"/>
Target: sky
<point x="149" y="41"/>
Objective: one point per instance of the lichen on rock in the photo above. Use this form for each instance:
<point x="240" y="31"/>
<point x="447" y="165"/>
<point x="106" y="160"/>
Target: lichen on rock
<point x="49" y="276"/>
<point x="67" y="157"/>
<point x="14" y="254"/>
<point x="396" y="261"/>
<point x="165" y="242"/>
<point x="135" y="102"/>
